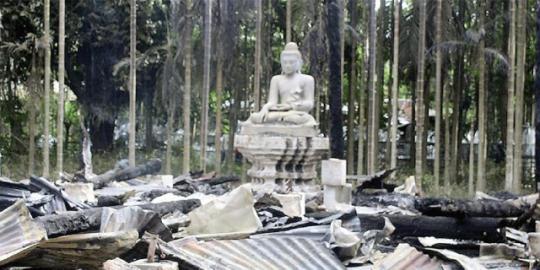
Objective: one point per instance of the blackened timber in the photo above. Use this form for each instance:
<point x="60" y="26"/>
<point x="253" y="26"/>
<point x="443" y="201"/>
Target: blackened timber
<point x="443" y="206"/>
<point x="470" y="208"/>
<point x="483" y="229"/>
<point x="127" y="173"/>
<point x="90" y="219"/>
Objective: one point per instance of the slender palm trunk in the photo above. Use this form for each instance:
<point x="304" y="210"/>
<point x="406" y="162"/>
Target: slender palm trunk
<point x="471" y="161"/>
<point x="482" y="99"/>
<point x="288" y="21"/>
<point x="395" y="87"/>
<point x="419" y="104"/>
<point x="60" y="118"/>
<point x="509" y="172"/>
<point x="258" y="44"/>
<point x="457" y="130"/>
<point x="334" y="91"/>
<point x="352" y="93"/>
<point x="206" y="82"/>
<point x="362" y="130"/>
<point x="219" y="97"/>
<point x="537" y="101"/>
<point x="33" y="90"/>
<point x="47" y="82"/>
<point x="379" y="84"/>
<point x="187" y="91"/>
<point x="168" y="151"/>
<point x="520" y="81"/>
<point x="132" y="81"/>
<point x="438" y="102"/>
<point x="373" y="130"/>
<point x="447" y="143"/>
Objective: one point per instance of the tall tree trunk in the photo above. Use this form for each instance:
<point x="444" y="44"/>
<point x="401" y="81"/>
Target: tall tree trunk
<point x="395" y="87"/>
<point x="438" y="105"/>
<point x="61" y="71"/>
<point x="206" y="81"/>
<point x="47" y="82"/>
<point x="456" y="118"/>
<point x="187" y="90"/>
<point x="258" y="44"/>
<point x="447" y="143"/>
<point x="288" y="22"/>
<point x="170" y="128"/>
<point x="148" y="112"/>
<point x="132" y="80"/>
<point x="219" y="97"/>
<point x="379" y="82"/>
<point x="352" y="92"/>
<point x="471" y="161"/>
<point x="233" y="120"/>
<point x="334" y="66"/>
<point x="33" y="90"/>
<point x="373" y="130"/>
<point x="537" y="101"/>
<point x="520" y="81"/>
<point x="364" y="89"/>
<point x="482" y="99"/>
<point x="509" y="169"/>
<point x="419" y="103"/>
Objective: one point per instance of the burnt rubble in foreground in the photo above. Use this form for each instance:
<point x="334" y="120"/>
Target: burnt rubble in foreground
<point x="129" y="218"/>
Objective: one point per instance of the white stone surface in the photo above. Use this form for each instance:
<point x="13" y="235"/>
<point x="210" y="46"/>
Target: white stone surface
<point x="334" y="172"/>
<point x="335" y="196"/>
<point x="286" y="162"/>
<point x="81" y="192"/>
<point x="293" y="204"/>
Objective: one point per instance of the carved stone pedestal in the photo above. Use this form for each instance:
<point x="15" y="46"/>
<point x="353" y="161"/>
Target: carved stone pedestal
<point x="283" y="163"/>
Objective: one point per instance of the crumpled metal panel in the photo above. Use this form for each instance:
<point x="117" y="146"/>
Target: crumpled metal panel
<point x="406" y="257"/>
<point x="80" y="251"/>
<point x="18" y="232"/>
<point x="265" y="253"/>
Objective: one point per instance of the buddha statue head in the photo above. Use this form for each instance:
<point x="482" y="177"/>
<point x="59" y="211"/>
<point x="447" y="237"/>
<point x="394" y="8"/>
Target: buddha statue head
<point x="291" y="59"/>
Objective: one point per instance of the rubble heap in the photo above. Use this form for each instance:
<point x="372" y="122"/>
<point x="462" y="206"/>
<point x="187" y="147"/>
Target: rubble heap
<point x="136" y="220"/>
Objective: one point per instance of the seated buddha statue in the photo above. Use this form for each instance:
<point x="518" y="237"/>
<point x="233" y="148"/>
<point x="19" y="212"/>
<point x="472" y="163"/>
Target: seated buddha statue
<point x="291" y="94"/>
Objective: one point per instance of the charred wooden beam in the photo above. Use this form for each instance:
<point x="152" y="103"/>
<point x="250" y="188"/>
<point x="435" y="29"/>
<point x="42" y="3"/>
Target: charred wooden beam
<point x="468" y="208"/>
<point x="483" y="229"/>
<point x="459" y="208"/>
<point x="121" y="173"/>
<point x="90" y="219"/>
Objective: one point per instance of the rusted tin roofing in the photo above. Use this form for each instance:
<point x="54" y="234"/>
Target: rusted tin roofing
<point x="264" y="253"/>
<point x="18" y="232"/>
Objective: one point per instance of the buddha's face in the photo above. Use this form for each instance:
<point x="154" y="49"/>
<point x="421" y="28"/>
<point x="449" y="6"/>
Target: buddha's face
<point x="290" y="63"/>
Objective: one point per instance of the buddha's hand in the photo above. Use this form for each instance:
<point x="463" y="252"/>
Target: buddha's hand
<point x="281" y="107"/>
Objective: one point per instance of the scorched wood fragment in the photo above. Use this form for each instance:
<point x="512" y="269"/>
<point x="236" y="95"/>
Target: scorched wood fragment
<point x="89" y="220"/>
<point x="484" y="229"/>
<point x="126" y="173"/>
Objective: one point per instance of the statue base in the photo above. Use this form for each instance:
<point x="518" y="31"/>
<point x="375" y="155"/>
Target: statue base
<point x="282" y="161"/>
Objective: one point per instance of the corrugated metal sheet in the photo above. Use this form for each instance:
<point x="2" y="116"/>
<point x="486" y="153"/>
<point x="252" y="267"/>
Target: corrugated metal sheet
<point x="80" y="251"/>
<point x="18" y="232"/>
<point x="265" y="253"/>
<point x="406" y="257"/>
